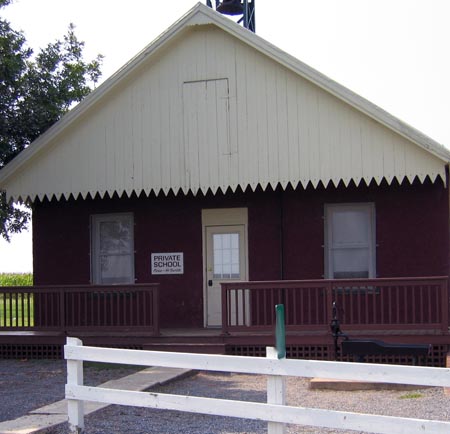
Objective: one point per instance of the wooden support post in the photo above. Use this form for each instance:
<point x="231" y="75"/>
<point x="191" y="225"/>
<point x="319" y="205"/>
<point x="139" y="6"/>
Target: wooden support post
<point x="75" y="407"/>
<point x="276" y="393"/>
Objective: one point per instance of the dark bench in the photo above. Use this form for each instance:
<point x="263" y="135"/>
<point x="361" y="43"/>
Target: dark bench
<point x="361" y="348"/>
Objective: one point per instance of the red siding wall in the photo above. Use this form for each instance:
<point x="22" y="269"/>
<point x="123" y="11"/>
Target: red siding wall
<point x="62" y="244"/>
<point x="411" y="228"/>
<point x="285" y="237"/>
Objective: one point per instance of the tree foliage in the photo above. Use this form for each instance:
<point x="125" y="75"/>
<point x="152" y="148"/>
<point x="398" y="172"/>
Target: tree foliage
<point x="35" y="91"/>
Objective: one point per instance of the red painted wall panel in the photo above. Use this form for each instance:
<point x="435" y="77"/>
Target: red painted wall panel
<point x="285" y="234"/>
<point x="163" y="224"/>
<point x="411" y="228"/>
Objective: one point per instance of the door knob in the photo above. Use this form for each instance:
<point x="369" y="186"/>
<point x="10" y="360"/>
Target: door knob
<point x="209" y="282"/>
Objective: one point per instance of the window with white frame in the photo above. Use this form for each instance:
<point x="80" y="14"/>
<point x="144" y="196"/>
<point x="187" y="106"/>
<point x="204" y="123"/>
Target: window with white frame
<point x="350" y="241"/>
<point x="112" y="252"/>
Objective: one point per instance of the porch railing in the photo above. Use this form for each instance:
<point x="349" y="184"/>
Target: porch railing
<point x="369" y="304"/>
<point x="80" y="307"/>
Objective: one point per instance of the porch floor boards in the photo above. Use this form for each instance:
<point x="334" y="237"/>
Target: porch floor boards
<point x="212" y="336"/>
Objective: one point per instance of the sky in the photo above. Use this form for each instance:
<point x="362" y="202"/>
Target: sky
<point x="395" y="53"/>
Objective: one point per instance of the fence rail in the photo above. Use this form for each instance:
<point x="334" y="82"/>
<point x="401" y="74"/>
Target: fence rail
<point x="82" y="307"/>
<point x="275" y="412"/>
<point x="372" y="304"/>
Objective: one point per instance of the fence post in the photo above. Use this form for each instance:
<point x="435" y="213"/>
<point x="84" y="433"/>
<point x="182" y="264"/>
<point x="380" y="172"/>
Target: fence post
<point x="280" y="331"/>
<point x="75" y="408"/>
<point x="276" y="393"/>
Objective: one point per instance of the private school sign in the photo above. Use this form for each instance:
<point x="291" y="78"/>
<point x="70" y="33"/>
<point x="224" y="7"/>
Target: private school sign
<point x="167" y="263"/>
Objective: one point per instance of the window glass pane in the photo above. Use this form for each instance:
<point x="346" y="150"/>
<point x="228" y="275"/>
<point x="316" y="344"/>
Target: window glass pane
<point x="235" y="271"/>
<point x="350" y="226"/>
<point x="116" y="269"/>
<point x="113" y="250"/>
<point x="226" y="270"/>
<point x="115" y="237"/>
<point x="218" y="256"/>
<point x="350" y="244"/>
<point x="217" y="241"/>
<point x="226" y="241"/>
<point x="350" y="263"/>
<point x="226" y="256"/>
<point x="235" y="257"/>
<point x="235" y="241"/>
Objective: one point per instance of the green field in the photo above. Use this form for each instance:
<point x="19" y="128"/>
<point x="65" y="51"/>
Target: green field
<point x="16" y="310"/>
<point x="16" y="279"/>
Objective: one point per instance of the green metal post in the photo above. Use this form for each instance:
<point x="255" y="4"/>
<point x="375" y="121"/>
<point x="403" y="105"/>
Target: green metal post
<point x="280" y="331"/>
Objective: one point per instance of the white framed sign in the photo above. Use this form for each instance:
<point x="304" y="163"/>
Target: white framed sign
<point x="167" y="263"/>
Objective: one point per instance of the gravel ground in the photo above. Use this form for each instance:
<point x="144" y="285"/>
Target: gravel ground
<point x="26" y="385"/>
<point x="31" y="384"/>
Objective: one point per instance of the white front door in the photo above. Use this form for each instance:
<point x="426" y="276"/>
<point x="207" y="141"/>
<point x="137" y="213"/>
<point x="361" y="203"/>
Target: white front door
<point x="225" y="254"/>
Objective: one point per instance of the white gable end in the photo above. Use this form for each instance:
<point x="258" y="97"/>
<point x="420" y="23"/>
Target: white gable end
<point x="208" y="111"/>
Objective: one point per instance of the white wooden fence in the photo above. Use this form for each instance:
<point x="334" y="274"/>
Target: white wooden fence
<point x="275" y="412"/>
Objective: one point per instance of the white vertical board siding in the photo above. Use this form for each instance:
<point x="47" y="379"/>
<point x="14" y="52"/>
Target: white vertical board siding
<point x="206" y="133"/>
<point x="208" y="111"/>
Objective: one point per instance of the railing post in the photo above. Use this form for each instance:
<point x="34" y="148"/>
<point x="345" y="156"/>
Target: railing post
<point x="276" y="393"/>
<point x="75" y="407"/>
<point x="224" y="309"/>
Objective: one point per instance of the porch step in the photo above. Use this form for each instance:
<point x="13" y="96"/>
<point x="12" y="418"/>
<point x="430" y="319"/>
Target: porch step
<point x="184" y="347"/>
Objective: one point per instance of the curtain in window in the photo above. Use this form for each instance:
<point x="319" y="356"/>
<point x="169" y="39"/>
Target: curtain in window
<point x="113" y="249"/>
<point x="350" y="241"/>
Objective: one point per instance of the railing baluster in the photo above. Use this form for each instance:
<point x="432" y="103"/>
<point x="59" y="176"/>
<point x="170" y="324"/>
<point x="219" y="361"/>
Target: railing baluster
<point x="309" y="308"/>
<point x="405" y="296"/>
<point x="146" y="300"/>
<point x="435" y="294"/>
<point x="302" y="297"/>
<point x="77" y="309"/>
<point x="62" y="316"/>
<point x="421" y="304"/>
<point x="130" y="310"/>
<point x="382" y="301"/>
<point x="124" y="308"/>
<point x="82" y="309"/>
<point x="264" y="291"/>
<point x="155" y="295"/>
<point x="139" y="303"/>
<point x="98" y="305"/>
<point x="6" y="310"/>
<point x="398" y="305"/>
<point x="444" y="305"/>
<point x="19" y="320"/>
<point x="3" y="313"/>
<point x="255" y="295"/>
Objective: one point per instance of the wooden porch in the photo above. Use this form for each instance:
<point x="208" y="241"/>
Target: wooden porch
<point x="410" y="310"/>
